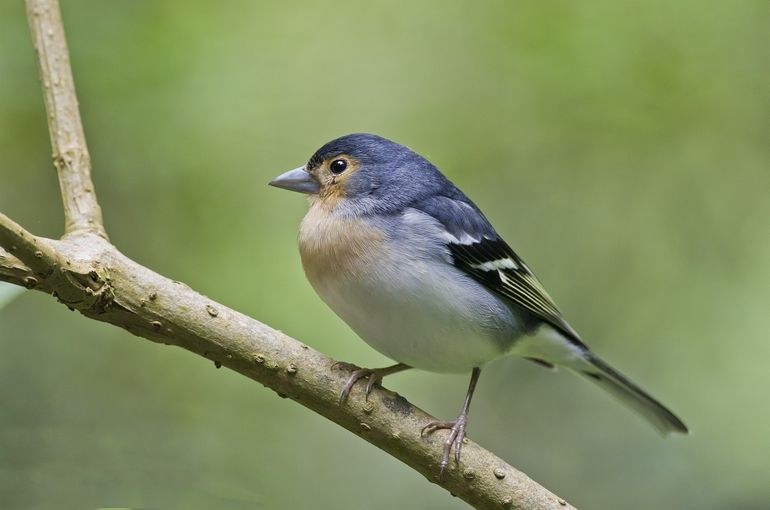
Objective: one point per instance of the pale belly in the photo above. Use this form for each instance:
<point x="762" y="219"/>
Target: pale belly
<point x="403" y="298"/>
<point x="436" y="319"/>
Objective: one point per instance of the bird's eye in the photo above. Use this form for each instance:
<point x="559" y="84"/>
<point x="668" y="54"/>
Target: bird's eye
<point x="338" y="166"/>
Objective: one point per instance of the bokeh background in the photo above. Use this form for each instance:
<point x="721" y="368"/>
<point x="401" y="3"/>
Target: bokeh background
<point x="621" y="147"/>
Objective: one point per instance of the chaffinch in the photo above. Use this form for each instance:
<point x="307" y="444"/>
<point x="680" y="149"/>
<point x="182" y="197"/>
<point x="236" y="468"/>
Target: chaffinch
<point x="416" y="270"/>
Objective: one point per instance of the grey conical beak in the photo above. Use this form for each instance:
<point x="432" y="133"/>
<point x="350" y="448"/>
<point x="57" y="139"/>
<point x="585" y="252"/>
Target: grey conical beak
<point x="297" y="180"/>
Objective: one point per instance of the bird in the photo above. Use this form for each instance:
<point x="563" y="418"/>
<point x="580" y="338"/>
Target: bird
<point x="416" y="270"/>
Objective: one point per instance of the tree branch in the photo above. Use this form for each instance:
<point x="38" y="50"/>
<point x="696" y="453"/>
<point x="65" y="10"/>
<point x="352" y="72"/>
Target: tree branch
<point x="70" y="153"/>
<point x="103" y="284"/>
<point x="88" y="274"/>
<point x="24" y="246"/>
<point x="12" y="270"/>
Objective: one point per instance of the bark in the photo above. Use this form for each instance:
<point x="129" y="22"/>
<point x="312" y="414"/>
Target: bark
<point x="70" y="154"/>
<point x="12" y="270"/>
<point x="88" y="274"/>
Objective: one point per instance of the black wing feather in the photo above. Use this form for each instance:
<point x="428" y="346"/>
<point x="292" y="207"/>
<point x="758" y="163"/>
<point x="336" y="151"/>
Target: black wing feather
<point x="481" y="253"/>
<point x="512" y="280"/>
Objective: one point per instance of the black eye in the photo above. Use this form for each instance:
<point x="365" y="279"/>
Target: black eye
<point x="338" y="166"/>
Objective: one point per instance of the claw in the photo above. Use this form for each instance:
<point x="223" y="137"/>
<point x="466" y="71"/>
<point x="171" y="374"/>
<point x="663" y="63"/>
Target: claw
<point x="454" y="439"/>
<point x="344" y="365"/>
<point x="373" y="376"/>
<point x="456" y="428"/>
<point x="436" y="425"/>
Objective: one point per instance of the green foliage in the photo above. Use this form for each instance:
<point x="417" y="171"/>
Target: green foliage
<point x="620" y="147"/>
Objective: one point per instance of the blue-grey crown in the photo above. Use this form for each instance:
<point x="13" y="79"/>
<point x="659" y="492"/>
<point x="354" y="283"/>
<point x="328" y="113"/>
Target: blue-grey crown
<point x="364" y="147"/>
<point x="390" y="176"/>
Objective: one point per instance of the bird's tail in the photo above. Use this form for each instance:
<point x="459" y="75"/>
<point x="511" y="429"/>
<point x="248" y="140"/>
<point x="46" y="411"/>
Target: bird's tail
<point x="630" y="394"/>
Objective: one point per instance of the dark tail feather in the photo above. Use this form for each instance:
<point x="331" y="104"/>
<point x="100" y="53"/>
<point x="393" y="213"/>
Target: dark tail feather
<point x="633" y="396"/>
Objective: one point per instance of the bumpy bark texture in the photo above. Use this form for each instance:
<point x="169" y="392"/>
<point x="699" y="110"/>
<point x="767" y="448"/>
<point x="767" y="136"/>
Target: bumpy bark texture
<point x="88" y="274"/>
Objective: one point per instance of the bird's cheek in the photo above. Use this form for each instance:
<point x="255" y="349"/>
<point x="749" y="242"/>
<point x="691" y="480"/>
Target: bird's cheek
<point x="332" y="194"/>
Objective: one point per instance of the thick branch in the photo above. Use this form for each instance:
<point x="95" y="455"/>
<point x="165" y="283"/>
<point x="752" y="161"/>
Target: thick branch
<point x="105" y="285"/>
<point x="70" y="154"/>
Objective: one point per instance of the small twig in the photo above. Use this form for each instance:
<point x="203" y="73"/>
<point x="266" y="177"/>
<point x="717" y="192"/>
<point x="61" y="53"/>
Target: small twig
<point x="12" y="270"/>
<point x="70" y="153"/>
<point x="24" y="246"/>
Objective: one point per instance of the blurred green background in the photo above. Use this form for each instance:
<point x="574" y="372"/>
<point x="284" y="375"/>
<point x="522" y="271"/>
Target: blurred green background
<point x="621" y="147"/>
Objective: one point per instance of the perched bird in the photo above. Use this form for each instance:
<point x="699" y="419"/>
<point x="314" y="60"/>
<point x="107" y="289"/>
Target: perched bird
<point x="417" y="271"/>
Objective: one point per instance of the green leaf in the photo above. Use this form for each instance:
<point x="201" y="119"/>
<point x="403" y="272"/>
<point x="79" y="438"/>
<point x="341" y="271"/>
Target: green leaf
<point x="9" y="292"/>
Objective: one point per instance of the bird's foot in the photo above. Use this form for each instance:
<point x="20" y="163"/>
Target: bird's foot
<point x="373" y="376"/>
<point x="454" y="439"/>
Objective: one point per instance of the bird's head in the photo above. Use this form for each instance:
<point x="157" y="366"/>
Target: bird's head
<point x="365" y="172"/>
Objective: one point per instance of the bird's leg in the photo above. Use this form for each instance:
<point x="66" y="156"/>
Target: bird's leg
<point x="456" y="427"/>
<point x="373" y="375"/>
